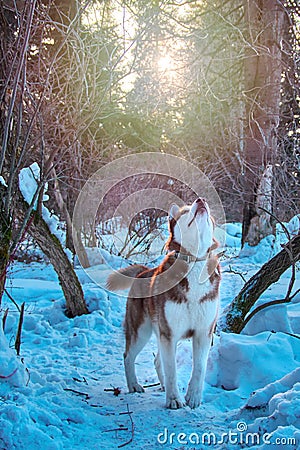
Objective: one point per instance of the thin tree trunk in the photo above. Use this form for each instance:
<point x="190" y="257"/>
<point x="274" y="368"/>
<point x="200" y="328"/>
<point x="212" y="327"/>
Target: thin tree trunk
<point x="269" y="273"/>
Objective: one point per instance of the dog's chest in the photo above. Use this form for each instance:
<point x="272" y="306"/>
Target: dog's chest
<point x="184" y="318"/>
<point x="197" y="312"/>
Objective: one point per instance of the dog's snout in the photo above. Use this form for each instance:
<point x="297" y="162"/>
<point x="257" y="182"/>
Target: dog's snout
<point x="199" y="207"/>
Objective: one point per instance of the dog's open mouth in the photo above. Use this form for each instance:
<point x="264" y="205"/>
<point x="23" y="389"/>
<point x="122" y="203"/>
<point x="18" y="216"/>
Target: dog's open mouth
<point x="200" y="208"/>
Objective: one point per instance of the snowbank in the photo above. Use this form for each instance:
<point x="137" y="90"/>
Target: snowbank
<point x="250" y="362"/>
<point x="278" y="407"/>
<point x="12" y="371"/>
<point x="263" y="396"/>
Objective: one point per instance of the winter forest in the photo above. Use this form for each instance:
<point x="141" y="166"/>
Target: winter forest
<point x="110" y="110"/>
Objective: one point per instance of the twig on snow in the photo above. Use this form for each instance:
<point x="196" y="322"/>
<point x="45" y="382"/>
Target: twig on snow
<point x="116" y="429"/>
<point x="82" y="394"/>
<point x="283" y="332"/>
<point x="121" y="428"/>
<point x="145" y="386"/>
<point x="132" y="428"/>
<point x="80" y="381"/>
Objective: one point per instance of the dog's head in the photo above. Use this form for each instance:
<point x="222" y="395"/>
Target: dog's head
<point x="191" y="229"/>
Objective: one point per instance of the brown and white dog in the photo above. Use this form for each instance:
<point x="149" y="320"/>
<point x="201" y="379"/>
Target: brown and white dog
<point x="177" y="300"/>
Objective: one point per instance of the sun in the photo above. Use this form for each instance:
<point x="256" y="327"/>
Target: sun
<point x="165" y="63"/>
<point x="166" y="68"/>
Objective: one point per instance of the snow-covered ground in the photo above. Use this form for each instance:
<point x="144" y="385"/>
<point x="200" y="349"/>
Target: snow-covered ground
<point x="60" y="392"/>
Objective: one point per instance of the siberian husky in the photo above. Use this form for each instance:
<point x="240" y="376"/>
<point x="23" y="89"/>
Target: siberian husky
<point x="177" y="300"/>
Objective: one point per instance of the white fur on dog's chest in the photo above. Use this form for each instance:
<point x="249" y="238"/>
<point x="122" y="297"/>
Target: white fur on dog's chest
<point x="194" y="314"/>
<point x="185" y="317"/>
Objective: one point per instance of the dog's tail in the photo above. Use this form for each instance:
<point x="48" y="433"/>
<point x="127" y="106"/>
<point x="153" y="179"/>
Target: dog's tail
<point x="123" y="278"/>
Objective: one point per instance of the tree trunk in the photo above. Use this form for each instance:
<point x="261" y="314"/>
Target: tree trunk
<point x="269" y="273"/>
<point x="51" y="247"/>
<point x="263" y="73"/>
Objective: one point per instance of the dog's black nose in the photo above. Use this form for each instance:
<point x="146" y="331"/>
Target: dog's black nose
<point x="201" y="200"/>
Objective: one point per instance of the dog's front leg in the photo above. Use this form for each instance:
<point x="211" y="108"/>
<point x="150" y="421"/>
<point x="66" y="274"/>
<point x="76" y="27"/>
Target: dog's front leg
<point x="201" y="346"/>
<point x="168" y="356"/>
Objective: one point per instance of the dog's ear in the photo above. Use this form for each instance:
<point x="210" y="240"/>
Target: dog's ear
<point x="173" y="211"/>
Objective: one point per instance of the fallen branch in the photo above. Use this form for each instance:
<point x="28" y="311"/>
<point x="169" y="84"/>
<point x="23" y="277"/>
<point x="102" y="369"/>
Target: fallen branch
<point x="291" y="334"/>
<point x="121" y="428"/>
<point x="132" y="428"/>
<point x="80" y="381"/>
<point x="115" y="429"/>
<point x="151" y="385"/>
<point x="81" y="394"/>
<point x="284" y="332"/>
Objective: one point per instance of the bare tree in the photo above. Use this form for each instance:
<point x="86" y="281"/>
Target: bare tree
<point x="24" y="84"/>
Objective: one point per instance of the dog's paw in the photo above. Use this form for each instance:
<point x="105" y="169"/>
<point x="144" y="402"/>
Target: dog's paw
<point x="136" y="387"/>
<point x="174" y="403"/>
<point x="193" y="399"/>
